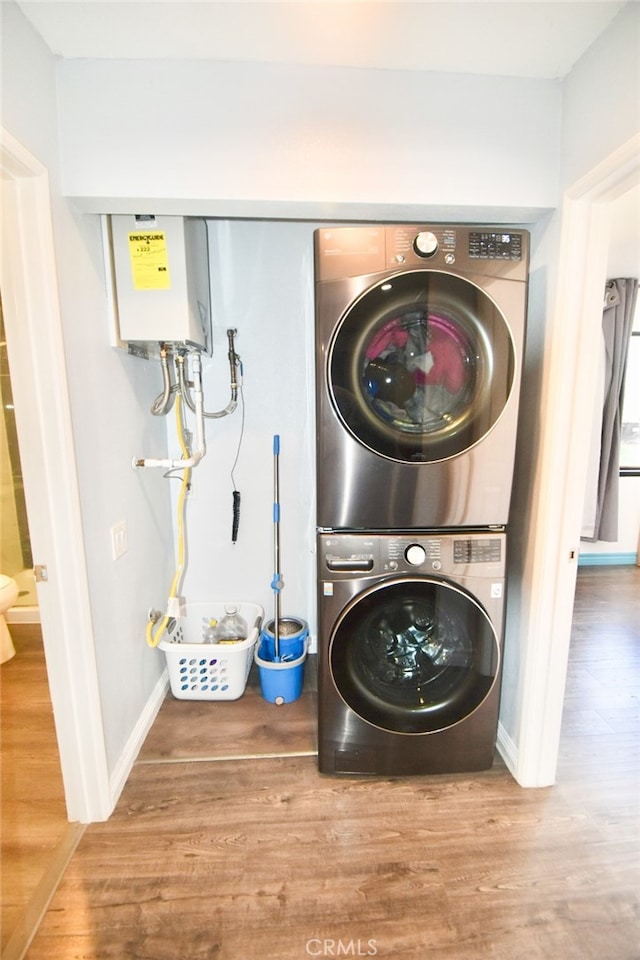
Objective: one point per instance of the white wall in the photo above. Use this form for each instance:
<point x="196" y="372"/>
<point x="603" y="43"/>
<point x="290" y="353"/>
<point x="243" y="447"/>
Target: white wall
<point x="109" y="393"/>
<point x="262" y="284"/>
<point x="259" y="140"/>
<point x="28" y="66"/>
<point x="600" y="103"/>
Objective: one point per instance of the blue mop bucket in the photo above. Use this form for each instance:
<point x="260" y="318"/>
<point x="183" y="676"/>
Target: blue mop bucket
<point x="280" y="680"/>
<point x="292" y="637"/>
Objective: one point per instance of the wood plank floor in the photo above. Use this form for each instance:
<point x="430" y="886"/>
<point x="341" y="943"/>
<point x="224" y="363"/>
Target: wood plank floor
<point x="245" y="728"/>
<point x="34" y="817"/>
<point x="262" y="857"/>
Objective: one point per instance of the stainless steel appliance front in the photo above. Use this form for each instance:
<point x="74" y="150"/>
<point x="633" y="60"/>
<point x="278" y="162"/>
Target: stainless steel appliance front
<point x="419" y="339"/>
<point x="409" y="651"/>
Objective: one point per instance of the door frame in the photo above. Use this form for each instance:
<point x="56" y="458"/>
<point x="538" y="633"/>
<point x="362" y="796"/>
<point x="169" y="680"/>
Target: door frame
<point x="43" y="416"/>
<point x="574" y="326"/>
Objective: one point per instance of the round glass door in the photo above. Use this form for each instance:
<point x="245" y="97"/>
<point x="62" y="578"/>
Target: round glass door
<point x="421" y="366"/>
<point x="414" y="655"/>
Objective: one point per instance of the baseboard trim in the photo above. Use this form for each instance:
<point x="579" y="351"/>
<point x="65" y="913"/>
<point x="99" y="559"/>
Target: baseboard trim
<point x="123" y="768"/>
<point x="607" y="559"/>
<point x="507" y="750"/>
<point x="23" y="615"/>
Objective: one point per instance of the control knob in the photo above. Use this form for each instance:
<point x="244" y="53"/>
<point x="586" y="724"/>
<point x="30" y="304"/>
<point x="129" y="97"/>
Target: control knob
<point x="425" y="244"/>
<point x="415" y="554"/>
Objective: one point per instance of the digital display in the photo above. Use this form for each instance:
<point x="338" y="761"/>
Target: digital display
<point x="495" y="246"/>
<point x="476" y="551"/>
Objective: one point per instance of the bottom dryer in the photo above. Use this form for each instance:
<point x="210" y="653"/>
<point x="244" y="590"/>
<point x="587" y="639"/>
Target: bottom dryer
<point x="410" y="633"/>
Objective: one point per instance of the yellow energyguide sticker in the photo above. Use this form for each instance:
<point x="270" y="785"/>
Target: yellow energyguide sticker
<point x="149" y="260"/>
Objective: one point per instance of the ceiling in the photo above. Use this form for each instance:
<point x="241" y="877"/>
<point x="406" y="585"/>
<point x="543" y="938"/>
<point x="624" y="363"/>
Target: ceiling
<point x="526" y="39"/>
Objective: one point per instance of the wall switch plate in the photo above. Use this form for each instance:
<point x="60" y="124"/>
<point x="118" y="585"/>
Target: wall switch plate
<point x="119" y="539"/>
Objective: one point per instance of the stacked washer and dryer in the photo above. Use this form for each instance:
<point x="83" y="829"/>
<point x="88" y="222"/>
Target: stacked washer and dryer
<point x="419" y="342"/>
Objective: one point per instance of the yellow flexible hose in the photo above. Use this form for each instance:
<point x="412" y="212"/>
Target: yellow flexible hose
<point x="153" y="638"/>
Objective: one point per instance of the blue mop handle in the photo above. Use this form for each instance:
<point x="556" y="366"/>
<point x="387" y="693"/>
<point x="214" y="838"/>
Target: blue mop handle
<point x="276" y="480"/>
<point x="277" y="583"/>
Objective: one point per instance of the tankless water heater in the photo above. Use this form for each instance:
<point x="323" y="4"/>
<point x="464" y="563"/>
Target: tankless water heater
<point x="161" y="280"/>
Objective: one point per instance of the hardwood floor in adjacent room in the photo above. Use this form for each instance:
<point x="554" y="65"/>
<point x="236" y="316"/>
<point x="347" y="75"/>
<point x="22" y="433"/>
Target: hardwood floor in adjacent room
<point x="36" y="838"/>
<point x="258" y="855"/>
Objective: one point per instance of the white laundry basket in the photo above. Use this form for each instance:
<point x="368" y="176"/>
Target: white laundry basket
<point x="209" y="671"/>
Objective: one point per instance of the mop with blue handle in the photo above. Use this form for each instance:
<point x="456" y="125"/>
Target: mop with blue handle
<point x="277" y="583"/>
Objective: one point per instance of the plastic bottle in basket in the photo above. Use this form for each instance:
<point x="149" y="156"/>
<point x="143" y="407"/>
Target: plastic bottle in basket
<point x="209" y="632"/>
<point x="232" y="627"/>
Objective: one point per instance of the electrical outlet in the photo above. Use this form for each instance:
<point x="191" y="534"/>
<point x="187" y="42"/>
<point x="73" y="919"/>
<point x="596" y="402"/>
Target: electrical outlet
<point x="119" y="539"/>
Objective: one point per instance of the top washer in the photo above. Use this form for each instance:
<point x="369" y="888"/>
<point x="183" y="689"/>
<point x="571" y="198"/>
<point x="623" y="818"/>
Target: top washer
<point x="419" y="341"/>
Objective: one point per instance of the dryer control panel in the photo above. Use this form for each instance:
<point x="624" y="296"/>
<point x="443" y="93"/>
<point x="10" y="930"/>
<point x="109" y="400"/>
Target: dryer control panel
<point x="495" y="245"/>
<point x="497" y="250"/>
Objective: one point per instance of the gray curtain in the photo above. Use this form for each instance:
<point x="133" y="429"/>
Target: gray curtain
<point x="617" y="321"/>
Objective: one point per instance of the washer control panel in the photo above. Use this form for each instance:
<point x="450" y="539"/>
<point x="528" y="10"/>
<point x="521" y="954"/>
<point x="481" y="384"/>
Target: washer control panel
<point x="358" y="555"/>
<point x="485" y="550"/>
